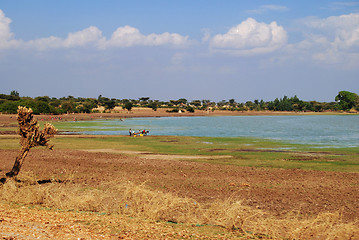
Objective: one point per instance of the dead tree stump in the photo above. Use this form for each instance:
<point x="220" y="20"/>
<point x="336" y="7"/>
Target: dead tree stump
<point x="30" y="136"/>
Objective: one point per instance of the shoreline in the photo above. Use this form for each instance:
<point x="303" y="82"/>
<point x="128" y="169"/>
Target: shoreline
<point x="7" y="119"/>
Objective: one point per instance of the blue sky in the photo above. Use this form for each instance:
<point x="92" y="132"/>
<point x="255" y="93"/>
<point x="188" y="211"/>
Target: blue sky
<point x="166" y="50"/>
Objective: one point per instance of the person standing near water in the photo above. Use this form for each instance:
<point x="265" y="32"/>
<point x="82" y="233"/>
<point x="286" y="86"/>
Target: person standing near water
<point x="130" y="132"/>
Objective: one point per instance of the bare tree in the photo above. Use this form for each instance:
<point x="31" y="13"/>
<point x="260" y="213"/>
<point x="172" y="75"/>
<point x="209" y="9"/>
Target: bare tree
<point x="30" y="136"/>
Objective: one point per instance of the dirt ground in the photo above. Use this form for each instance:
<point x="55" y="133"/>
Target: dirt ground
<point x="34" y="223"/>
<point x="278" y="191"/>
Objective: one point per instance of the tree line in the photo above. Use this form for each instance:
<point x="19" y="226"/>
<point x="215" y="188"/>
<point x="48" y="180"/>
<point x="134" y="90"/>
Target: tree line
<point x="344" y="101"/>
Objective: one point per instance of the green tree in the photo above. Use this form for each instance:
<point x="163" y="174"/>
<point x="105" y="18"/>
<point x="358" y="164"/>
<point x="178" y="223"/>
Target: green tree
<point x="196" y="103"/>
<point x="68" y="106"/>
<point x="9" y="107"/>
<point x="205" y="103"/>
<point x="10" y="97"/>
<point x="128" y="106"/>
<point x="15" y="93"/>
<point x="174" y="102"/>
<point x="43" y="99"/>
<point x="222" y="103"/>
<point x="347" y="100"/>
<point x="182" y="101"/>
<point x="144" y="101"/>
<point x="153" y="105"/>
<point x="109" y="103"/>
<point x="250" y="105"/>
<point x="55" y="102"/>
<point x="87" y="105"/>
<point x="41" y="107"/>
<point x="190" y="109"/>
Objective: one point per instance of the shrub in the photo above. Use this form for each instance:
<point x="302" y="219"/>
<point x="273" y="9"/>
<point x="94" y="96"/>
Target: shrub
<point x="190" y="109"/>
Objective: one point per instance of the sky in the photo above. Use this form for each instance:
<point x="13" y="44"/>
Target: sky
<point x="193" y="49"/>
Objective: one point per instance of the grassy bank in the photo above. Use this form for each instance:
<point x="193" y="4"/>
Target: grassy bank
<point x="233" y="151"/>
<point x="230" y="151"/>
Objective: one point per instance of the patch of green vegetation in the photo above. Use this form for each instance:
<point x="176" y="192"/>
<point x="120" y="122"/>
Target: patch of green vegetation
<point x="233" y="151"/>
<point x="9" y="142"/>
<point x="81" y="126"/>
<point x="8" y="128"/>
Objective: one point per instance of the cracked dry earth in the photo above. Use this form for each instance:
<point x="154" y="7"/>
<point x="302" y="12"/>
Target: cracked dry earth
<point x="277" y="191"/>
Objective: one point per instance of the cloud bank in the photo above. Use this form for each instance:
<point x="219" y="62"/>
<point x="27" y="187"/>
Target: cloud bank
<point x="250" y="37"/>
<point x="126" y="36"/>
<point x="6" y="36"/>
<point x="333" y="39"/>
<point x="342" y="31"/>
<point x="327" y="40"/>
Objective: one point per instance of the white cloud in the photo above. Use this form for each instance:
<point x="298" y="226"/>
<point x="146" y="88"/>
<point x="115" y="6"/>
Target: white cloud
<point x="333" y="39"/>
<point x="349" y="21"/>
<point x="91" y="35"/>
<point x="45" y="43"/>
<point x="5" y="33"/>
<point x="250" y="37"/>
<point x="128" y="36"/>
<point x="6" y="36"/>
<point x="88" y="37"/>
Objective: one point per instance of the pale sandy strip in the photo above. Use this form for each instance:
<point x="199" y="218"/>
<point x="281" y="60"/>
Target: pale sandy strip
<point x="149" y="155"/>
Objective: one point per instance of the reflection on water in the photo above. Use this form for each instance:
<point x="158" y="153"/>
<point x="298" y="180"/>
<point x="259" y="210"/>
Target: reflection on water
<point x="331" y="130"/>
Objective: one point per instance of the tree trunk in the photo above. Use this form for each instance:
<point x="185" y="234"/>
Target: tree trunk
<point x="18" y="162"/>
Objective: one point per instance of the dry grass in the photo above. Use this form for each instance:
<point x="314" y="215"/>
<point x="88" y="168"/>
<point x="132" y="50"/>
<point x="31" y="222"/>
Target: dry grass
<point x="139" y="201"/>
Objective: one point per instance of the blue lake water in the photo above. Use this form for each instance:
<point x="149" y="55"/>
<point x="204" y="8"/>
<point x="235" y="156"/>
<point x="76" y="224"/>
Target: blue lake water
<point x="321" y="130"/>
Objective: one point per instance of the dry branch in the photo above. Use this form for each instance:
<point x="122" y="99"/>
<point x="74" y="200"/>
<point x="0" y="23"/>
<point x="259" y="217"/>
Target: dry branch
<point x="30" y="136"/>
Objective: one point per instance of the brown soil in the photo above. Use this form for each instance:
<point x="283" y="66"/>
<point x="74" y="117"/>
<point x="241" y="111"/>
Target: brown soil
<point x="278" y="191"/>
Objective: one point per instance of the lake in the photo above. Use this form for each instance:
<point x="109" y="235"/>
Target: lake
<point x="320" y="130"/>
